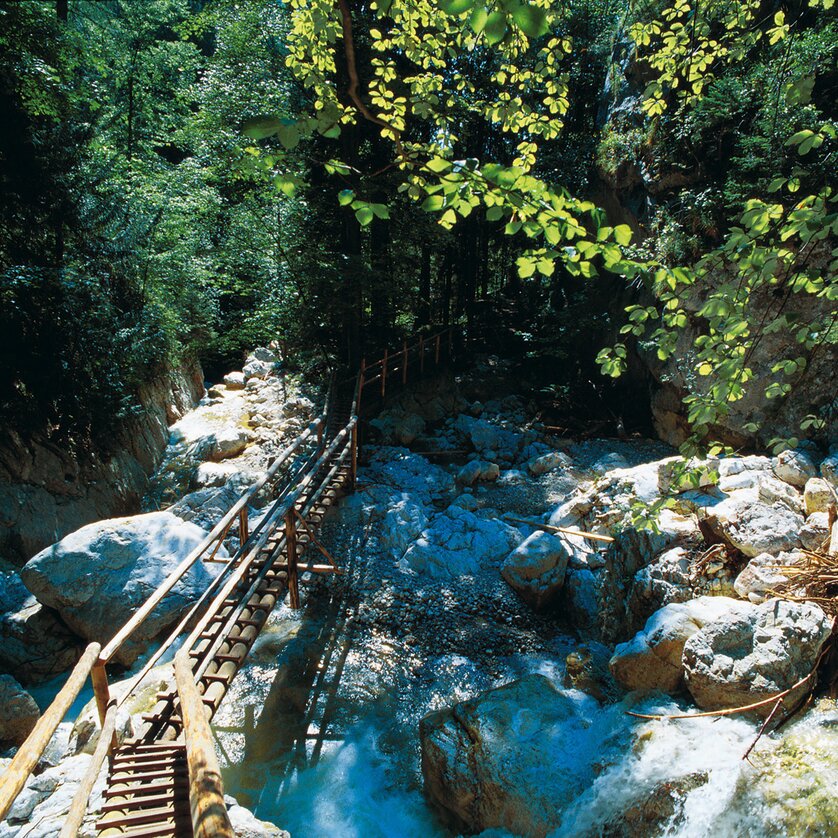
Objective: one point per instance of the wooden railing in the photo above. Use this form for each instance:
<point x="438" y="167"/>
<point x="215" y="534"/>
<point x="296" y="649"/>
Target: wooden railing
<point x="291" y="479"/>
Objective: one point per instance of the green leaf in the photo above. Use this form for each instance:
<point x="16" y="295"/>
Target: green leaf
<point x="364" y="215"/>
<point x="531" y="20"/>
<point x="455" y="7"/>
<point x="433" y="203"/>
<point x="622" y="234"/>
<point x="494" y="213"/>
<point x="345" y="197"/>
<point x="289" y="136"/>
<point x="438" y="165"/>
<point x="380" y="210"/>
<point x="260" y="127"/>
<point x="478" y="19"/>
<point x="495" y="28"/>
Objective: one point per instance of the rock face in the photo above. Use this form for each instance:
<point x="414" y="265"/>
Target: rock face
<point x="96" y="577"/>
<point x="34" y="643"/>
<point x="745" y="656"/>
<point x="47" y="490"/>
<point x="652" y="659"/>
<point x="18" y="711"/>
<point x="536" y="568"/>
<point x="501" y="760"/>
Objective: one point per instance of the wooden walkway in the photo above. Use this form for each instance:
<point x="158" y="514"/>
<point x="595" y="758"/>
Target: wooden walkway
<point x="165" y="781"/>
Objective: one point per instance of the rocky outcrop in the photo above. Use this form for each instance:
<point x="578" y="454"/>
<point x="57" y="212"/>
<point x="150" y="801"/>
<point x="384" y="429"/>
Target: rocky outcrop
<point x="18" y="711"/>
<point x="745" y="656"/>
<point x="48" y="490"/>
<point x="503" y="760"/>
<point x="98" y="576"/>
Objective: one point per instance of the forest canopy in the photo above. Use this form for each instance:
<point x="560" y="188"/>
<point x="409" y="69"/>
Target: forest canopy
<point x="609" y="187"/>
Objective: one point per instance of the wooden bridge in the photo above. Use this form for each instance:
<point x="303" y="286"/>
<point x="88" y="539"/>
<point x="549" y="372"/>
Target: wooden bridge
<point x="165" y="780"/>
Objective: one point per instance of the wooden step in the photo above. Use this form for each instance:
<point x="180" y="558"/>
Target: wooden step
<point x="135" y="789"/>
<point x="147" y="801"/>
<point x="131" y="818"/>
<point x="137" y="777"/>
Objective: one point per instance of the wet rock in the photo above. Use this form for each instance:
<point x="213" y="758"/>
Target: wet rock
<point x="818" y="495"/>
<point x="754" y="527"/>
<point x="98" y="576"/>
<point x="536" y="569"/>
<point x="34" y="643"/>
<point x="234" y="381"/>
<point x="18" y="711"/>
<point x="549" y="462"/>
<point x="504" y="760"/>
<point x="795" y="467"/>
<point x="744" y="656"/>
<point x="246" y="825"/>
<point x="652" y="659"/>
<point x="763" y="574"/>
<point x="586" y="669"/>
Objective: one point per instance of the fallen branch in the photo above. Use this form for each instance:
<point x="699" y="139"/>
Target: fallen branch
<point x="564" y="530"/>
<point x="763" y="728"/>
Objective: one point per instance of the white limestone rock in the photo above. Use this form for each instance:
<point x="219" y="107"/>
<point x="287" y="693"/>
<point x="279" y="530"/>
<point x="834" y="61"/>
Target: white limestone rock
<point x="651" y="660"/>
<point x="98" y="576"/>
<point x="815" y="533"/>
<point x="536" y="568"/>
<point x="551" y="461"/>
<point x="818" y="495"/>
<point x="795" y="467"/>
<point x="477" y="470"/>
<point x="743" y="657"/>
<point x="234" y="380"/>
<point x="763" y="574"/>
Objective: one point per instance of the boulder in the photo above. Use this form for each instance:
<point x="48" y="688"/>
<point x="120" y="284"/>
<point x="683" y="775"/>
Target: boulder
<point x="34" y="643"/>
<point x="228" y="442"/>
<point x="98" y="576"/>
<point x="818" y="495"/>
<point x="18" y="711"/>
<point x="257" y="369"/>
<point x="476" y="470"/>
<point x="745" y="656"/>
<point x="234" y="380"/>
<point x="677" y="475"/>
<point x="754" y="527"/>
<point x="665" y="580"/>
<point x="507" y="759"/>
<point x="772" y="491"/>
<point x="549" y="462"/>
<point x="814" y="534"/>
<point x="652" y="659"/>
<point x="209" y="475"/>
<point x="829" y="470"/>
<point x="795" y="467"/>
<point x="458" y="542"/>
<point x="586" y="669"/>
<point x="536" y="568"/>
<point x="759" y="579"/>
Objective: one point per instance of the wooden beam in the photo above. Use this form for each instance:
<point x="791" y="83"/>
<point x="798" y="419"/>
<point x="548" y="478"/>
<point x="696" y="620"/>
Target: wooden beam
<point x="15" y="776"/>
<point x="564" y="530"/>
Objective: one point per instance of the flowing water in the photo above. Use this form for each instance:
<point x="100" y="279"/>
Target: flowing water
<point x="320" y="732"/>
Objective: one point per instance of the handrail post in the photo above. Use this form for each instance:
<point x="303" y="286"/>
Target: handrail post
<point x="436" y="351"/>
<point x="404" y="361"/>
<point x="361" y="377"/>
<point x="244" y="529"/>
<point x="384" y="373"/>
<point x="291" y="552"/>
<point x="354" y="443"/>
<point x="421" y="354"/>
<point x="102" y="693"/>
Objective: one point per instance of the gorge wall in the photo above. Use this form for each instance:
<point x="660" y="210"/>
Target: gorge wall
<point x="48" y="490"/>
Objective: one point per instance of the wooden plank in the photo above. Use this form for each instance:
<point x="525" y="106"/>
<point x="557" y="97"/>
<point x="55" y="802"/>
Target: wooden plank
<point x="565" y="530"/>
<point x="15" y="776"/>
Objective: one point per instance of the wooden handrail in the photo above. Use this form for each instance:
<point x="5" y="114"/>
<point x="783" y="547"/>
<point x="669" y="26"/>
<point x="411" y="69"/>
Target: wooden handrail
<point x="217" y="531"/>
<point x="78" y="808"/>
<point x="15" y="776"/>
<point x="206" y="788"/>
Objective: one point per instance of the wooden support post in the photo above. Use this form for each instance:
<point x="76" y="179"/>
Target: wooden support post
<point x="384" y="373"/>
<point x="319" y="436"/>
<point x="244" y="529"/>
<point x="361" y="381"/>
<point x="436" y="351"/>
<point x="404" y="362"/>
<point x="102" y="693"/>
<point x="291" y="550"/>
<point x="450" y="343"/>
<point x="421" y="354"/>
<point x="354" y="443"/>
